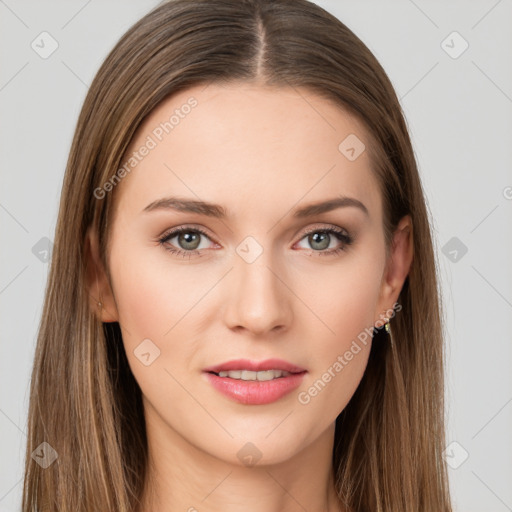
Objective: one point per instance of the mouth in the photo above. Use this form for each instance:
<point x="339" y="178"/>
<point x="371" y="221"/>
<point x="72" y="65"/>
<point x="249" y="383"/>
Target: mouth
<point x="248" y="375"/>
<point x="255" y="383"/>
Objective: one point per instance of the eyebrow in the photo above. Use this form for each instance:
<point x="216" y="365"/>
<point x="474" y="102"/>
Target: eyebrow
<point x="217" y="211"/>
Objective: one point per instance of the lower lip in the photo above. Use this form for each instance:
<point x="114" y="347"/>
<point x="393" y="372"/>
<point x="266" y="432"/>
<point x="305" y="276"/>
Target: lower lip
<point x="255" y="392"/>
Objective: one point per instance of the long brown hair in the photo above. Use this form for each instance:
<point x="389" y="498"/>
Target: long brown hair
<point x="84" y="400"/>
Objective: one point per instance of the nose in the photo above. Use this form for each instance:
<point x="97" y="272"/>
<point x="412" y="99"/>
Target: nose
<point x="259" y="300"/>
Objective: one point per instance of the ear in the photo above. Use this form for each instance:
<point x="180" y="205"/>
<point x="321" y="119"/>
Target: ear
<point x="397" y="269"/>
<point x="98" y="285"/>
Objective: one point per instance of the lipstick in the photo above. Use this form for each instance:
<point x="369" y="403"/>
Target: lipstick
<point x="270" y="380"/>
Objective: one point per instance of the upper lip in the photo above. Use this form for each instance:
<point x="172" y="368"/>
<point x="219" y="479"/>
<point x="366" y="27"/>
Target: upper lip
<point x="255" y="366"/>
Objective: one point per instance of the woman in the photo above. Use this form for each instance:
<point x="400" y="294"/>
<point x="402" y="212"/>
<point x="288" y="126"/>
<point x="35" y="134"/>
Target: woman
<point x="242" y="308"/>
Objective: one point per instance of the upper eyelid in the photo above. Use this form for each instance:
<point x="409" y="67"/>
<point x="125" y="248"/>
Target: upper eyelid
<point x="328" y="227"/>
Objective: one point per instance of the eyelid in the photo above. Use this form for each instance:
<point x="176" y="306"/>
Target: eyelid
<point x="324" y="226"/>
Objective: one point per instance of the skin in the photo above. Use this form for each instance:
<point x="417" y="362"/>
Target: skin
<point x="261" y="153"/>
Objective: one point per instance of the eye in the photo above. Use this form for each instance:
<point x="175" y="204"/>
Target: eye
<point x="321" y="239"/>
<point x="188" y="238"/>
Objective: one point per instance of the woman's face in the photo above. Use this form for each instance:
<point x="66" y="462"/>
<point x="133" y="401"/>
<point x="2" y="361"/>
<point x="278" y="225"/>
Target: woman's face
<point x="263" y="275"/>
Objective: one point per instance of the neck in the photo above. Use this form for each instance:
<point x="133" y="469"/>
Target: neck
<point x="185" y="478"/>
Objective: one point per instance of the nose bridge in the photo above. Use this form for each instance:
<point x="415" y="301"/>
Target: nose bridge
<point x="259" y="300"/>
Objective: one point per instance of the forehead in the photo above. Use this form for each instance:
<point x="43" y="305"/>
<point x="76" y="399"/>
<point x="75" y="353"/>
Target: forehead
<point x="249" y="147"/>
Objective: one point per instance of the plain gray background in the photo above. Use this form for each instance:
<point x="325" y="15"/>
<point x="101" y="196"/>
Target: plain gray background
<point x="458" y="106"/>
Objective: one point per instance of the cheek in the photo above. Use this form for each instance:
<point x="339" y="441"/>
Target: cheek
<point x="160" y="300"/>
<point x="339" y="356"/>
<point x="142" y="297"/>
<point x="152" y="294"/>
<point x="344" y="298"/>
<point x="155" y="302"/>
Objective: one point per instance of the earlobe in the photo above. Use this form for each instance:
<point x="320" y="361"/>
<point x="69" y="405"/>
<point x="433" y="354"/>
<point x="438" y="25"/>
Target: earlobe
<point x="101" y="298"/>
<point x="398" y="265"/>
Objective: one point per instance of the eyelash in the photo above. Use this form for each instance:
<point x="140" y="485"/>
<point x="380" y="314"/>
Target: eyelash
<point x="340" y="234"/>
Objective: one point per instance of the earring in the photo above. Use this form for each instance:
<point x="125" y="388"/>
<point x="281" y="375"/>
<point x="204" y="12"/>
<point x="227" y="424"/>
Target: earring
<point x="387" y="326"/>
<point x="100" y="304"/>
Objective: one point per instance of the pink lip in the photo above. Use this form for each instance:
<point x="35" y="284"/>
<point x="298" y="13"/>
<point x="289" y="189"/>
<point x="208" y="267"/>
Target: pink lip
<point x="255" y="366"/>
<point x="255" y="392"/>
